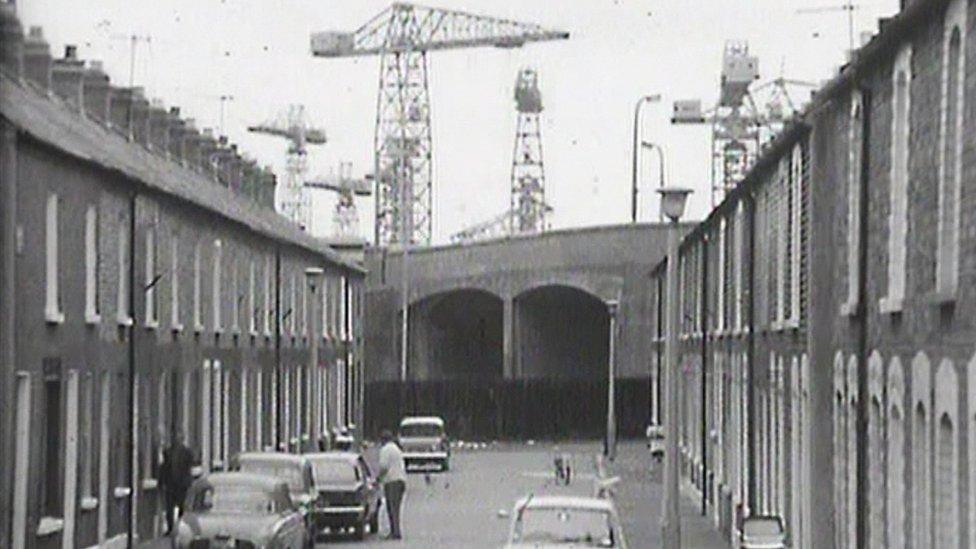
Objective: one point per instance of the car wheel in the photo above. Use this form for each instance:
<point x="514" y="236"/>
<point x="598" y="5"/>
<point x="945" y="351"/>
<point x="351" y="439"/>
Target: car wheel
<point x="445" y="465"/>
<point x="359" y="530"/>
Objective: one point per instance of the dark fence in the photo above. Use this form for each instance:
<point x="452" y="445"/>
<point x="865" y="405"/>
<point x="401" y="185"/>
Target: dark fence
<point x="544" y="409"/>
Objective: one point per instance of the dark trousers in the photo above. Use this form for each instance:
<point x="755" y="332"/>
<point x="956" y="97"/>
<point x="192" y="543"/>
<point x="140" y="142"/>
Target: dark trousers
<point x="171" y="500"/>
<point x="393" y="491"/>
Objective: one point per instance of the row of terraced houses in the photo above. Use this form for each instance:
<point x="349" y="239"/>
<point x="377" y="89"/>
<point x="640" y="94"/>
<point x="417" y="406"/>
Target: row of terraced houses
<point x="828" y="306"/>
<point x="148" y="288"/>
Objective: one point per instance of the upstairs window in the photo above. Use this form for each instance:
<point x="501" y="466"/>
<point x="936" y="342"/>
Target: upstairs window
<point x="326" y="290"/>
<point x="738" y="253"/>
<point x="253" y="309"/>
<point x="898" y="200"/>
<point x="303" y="309"/>
<point x="854" y="153"/>
<point x="197" y="317"/>
<point x="151" y="279"/>
<point x="237" y="296"/>
<point x="951" y="138"/>
<point x="217" y="297"/>
<point x="794" y="248"/>
<point x="267" y="312"/>
<point x="53" y="312"/>
<point x="122" y="299"/>
<point x="343" y="308"/>
<point x="92" y="260"/>
<point x="174" y="250"/>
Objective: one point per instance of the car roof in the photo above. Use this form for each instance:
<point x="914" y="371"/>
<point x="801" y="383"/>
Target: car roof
<point x="270" y="457"/>
<point x="569" y="502"/>
<point x="421" y="420"/>
<point x="350" y="457"/>
<point x="247" y="479"/>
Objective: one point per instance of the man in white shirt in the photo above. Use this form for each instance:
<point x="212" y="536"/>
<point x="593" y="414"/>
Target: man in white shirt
<point x="393" y="476"/>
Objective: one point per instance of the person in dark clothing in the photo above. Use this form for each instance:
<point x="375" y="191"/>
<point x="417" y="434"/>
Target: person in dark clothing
<point x="175" y="477"/>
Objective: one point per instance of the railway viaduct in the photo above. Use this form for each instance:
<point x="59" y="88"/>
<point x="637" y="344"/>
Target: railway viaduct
<point x="510" y="338"/>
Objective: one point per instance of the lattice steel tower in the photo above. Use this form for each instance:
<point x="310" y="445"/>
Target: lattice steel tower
<point x="402" y="35"/>
<point x="528" y="208"/>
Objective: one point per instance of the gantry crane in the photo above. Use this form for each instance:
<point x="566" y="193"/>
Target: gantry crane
<point x="402" y="35"/>
<point x="345" y="217"/>
<point x="293" y="126"/>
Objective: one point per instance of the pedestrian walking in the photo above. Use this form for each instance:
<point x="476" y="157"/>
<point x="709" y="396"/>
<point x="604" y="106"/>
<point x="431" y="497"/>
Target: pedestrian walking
<point x="175" y="477"/>
<point x="393" y="476"/>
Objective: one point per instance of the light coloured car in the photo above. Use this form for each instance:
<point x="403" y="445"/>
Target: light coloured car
<point x="424" y="443"/>
<point x="292" y="469"/>
<point x="564" y="521"/>
<point x="655" y="440"/>
<point x="763" y="532"/>
<point x="240" y="510"/>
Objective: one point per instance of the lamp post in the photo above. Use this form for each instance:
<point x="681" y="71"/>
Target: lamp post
<point x="672" y="206"/>
<point x="313" y="278"/>
<point x="660" y="166"/>
<point x="610" y="450"/>
<point x="633" y="172"/>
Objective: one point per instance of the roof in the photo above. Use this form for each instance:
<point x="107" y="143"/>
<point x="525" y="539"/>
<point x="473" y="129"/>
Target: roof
<point x="248" y="479"/>
<point x="268" y="457"/>
<point x="49" y="120"/>
<point x="560" y="502"/>
<point x="351" y="457"/>
<point x="422" y="420"/>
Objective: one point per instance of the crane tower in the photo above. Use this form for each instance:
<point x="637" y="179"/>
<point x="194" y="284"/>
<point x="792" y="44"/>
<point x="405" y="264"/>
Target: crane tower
<point x="529" y="206"/>
<point x="402" y="35"/>
<point x="293" y="201"/>
<point x="345" y="218"/>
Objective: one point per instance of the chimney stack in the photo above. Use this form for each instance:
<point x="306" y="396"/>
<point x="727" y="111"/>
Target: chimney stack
<point x="11" y="41"/>
<point x="66" y="77"/>
<point x="159" y="124"/>
<point x="96" y="92"/>
<point x="267" y="193"/>
<point x="208" y="148"/>
<point x="140" y="118"/>
<point x="250" y="178"/>
<point x="191" y="145"/>
<point x="127" y="111"/>
<point x="175" y="134"/>
<point x="37" y="59"/>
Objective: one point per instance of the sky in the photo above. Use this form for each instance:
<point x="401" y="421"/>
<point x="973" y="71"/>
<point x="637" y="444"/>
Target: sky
<point x="619" y="50"/>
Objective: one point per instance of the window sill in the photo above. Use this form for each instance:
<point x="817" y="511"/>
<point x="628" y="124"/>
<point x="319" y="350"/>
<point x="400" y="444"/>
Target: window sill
<point x="92" y="318"/>
<point x="53" y="317"/>
<point x="124" y="321"/>
<point x="150" y="484"/>
<point x="216" y="465"/>
<point x="152" y="325"/>
<point x="890" y="305"/>
<point x="89" y="503"/>
<point x="198" y="329"/>
<point x="49" y="526"/>
<point x="942" y="297"/>
<point x="121" y="492"/>
<point x="849" y="308"/>
<point x="218" y="331"/>
<point x="176" y="328"/>
<point x="196" y="471"/>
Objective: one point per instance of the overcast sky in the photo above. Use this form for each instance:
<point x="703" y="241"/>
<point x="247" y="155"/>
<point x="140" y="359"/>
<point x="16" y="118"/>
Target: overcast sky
<point x="258" y="52"/>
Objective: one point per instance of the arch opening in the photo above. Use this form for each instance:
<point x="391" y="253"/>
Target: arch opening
<point x="456" y="335"/>
<point x="561" y="332"/>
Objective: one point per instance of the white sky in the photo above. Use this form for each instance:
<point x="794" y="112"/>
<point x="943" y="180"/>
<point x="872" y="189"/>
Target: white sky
<point x="257" y="51"/>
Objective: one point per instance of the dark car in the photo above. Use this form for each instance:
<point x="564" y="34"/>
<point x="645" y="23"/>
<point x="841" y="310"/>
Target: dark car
<point x="348" y="494"/>
<point x="240" y="510"/>
<point x="293" y="469"/>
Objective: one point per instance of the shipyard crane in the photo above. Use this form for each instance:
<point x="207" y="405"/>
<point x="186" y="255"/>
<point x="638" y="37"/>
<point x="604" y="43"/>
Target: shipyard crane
<point x="345" y="217"/>
<point x="293" y="126"/>
<point x="402" y="35"/>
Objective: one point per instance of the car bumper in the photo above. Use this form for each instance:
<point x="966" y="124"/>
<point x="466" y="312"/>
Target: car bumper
<point x="338" y="515"/>
<point x="425" y="456"/>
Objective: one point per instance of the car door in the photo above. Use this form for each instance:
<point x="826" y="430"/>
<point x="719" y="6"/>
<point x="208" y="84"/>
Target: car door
<point x="291" y="528"/>
<point x="372" y="487"/>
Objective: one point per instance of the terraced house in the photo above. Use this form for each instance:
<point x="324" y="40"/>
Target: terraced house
<point x="829" y="306"/>
<point x="148" y="288"/>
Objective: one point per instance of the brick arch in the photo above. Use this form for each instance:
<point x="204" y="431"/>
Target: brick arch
<point x="448" y="287"/>
<point x="602" y="287"/>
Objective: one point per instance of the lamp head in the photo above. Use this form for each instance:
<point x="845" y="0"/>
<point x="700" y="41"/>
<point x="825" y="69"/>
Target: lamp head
<point x="673" y="201"/>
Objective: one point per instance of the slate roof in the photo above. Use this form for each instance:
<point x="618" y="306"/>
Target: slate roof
<point x="51" y="121"/>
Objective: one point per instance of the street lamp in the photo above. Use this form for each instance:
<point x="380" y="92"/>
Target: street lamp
<point x="313" y="278"/>
<point x="660" y="165"/>
<point x="610" y="450"/>
<point x="633" y="174"/>
<point x="673" y="201"/>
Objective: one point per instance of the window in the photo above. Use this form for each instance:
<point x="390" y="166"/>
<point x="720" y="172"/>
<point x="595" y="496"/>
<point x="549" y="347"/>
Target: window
<point x="292" y="313"/>
<point x="921" y="446"/>
<point x="237" y="296"/>
<point x="896" y="456"/>
<point x="217" y="297"/>
<point x="151" y="279"/>
<point x="197" y="318"/>
<point x="303" y="317"/>
<point x="951" y="139"/>
<point x="793" y="249"/>
<point x="267" y="297"/>
<point x="326" y="303"/>
<point x="92" y="259"/>
<point x="174" y="278"/>
<point x="122" y="299"/>
<point x="253" y="309"/>
<point x="898" y="215"/>
<point x="971" y="392"/>
<point x="720" y="295"/>
<point x="343" y="302"/>
<point x="854" y="144"/>
<point x="53" y="312"/>
<point x="947" y="504"/>
<point x="53" y="467"/>
<point x="738" y="261"/>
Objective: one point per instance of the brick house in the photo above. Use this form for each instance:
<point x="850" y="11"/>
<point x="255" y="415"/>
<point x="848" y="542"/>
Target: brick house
<point x="828" y="339"/>
<point x="148" y="288"/>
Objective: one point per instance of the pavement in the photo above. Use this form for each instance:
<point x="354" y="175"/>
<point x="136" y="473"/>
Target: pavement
<point x="459" y="509"/>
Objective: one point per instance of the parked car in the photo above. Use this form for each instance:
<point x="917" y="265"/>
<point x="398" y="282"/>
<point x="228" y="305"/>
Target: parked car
<point x="293" y="469"/>
<point x="655" y="440"/>
<point x="424" y="443"/>
<point x="564" y="521"/>
<point x="348" y="494"/>
<point x="763" y="532"/>
<point x="240" y="510"/>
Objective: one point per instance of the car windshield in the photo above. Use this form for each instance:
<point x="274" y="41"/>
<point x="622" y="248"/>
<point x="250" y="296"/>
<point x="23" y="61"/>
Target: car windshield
<point x="421" y="430"/>
<point x="334" y="471"/>
<point x="591" y="528"/>
<point x="290" y="474"/>
<point x="233" y="499"/>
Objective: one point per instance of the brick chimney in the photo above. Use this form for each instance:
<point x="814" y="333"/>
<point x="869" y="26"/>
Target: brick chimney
<point x="37" y="59"/>
<point x="11" y="41"/>
<point x="96" y="92"/>
<point x="66" y="77"/>
<point x="140" y="118"/>
<point x="250" y="178"/>
<point x="223" y="156"/>
<point x="159" y="124"/>
<point x="175" y="134"/>
<point x="191" y="145"/>
<point x="268" y="184"/>
<point x="208" y="148"/>
<point x="236" y="169"/>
